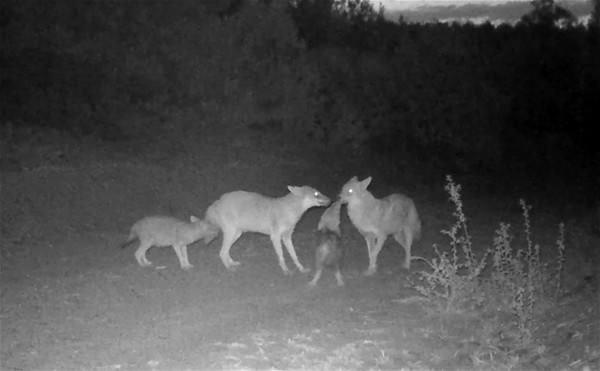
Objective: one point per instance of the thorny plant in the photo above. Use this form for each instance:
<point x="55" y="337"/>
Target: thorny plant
<point x="453" y="282"/>
<point x="518" y="278"/>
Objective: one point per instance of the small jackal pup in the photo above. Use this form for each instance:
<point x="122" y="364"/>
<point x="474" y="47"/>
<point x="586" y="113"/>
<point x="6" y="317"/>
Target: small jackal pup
<point x="375" y="219"/>
<point x="168" y="231"/>
<point x="329" y="252"/>
<point x="240" y="211"/>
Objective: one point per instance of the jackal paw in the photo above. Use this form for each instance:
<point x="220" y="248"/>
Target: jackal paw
<point x="230" y="264"/>
<point x="187" y="267"/>
<point x="231" y="267"/>
<point x="144" y="263"/>
<point x="304" y="270"/>
<point x="370" y="271"/>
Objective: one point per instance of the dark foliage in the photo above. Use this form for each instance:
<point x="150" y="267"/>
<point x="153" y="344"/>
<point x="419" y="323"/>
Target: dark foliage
<point x="516" y="98"/>
<point x="547" y="13"/>
<point x="595" y="16"/>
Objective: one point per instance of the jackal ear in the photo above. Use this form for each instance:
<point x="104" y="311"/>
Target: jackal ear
<point x="365" y="183"/>
<point x="194" y="219"/>
<point x="295" y="190"/>
<point x="354" y="179"/>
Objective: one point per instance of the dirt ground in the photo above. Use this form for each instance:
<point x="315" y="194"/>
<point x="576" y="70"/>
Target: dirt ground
<point x="72" y="300"/>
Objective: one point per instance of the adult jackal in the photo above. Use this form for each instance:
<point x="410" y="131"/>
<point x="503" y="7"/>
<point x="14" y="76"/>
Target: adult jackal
<point x="240" y="211"/>
<point x="376" y="219"/>
<point x="329" y="252"/>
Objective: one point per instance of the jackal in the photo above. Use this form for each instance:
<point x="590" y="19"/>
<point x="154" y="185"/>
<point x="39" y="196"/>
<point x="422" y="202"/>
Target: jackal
<point x="240" y="211"/>
<point x="329" y="252"/>
<point x="375" y="219"/>
<point x="168" y="231"/>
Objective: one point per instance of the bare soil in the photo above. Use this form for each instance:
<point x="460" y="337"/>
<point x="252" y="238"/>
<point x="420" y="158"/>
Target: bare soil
<point x="72" y="300"/>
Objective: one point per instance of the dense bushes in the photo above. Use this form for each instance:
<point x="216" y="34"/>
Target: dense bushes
<point x="492" y="93"/>
<point x="334" y="70"/>
<point x="81" y="65"/>
<point x="517" y="98"/>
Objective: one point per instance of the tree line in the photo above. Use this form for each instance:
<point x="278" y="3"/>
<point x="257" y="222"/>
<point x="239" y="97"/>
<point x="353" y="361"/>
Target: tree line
<point x="335" y="71"/>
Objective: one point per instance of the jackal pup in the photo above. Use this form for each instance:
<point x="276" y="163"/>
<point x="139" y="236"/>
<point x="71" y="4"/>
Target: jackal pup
<point x="240" y="211"/>
<point x="168" y="231"/>
<point x="329" y="252"/>
<point x="375" y="219"/>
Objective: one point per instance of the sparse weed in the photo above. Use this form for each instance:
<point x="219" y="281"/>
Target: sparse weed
<point x="518" y="282"/>
<point x="519" y="278"/>
<point x="453" y="282"/>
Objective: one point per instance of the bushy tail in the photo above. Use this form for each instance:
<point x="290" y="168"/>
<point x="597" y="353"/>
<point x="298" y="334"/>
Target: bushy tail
<point x="131" y="239"/>
<point x="417" y="226"/>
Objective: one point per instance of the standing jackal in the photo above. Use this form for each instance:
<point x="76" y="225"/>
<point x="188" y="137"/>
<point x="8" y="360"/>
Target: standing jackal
<point x="375" y="219"/>
<point x="168" y="231"/>
<point x="329" y="252"/>
<point x="240" y="211"/>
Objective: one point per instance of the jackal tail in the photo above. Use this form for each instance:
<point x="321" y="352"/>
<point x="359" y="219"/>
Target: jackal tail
<point x="132" y="238"/>
<point x="418" y="227"/>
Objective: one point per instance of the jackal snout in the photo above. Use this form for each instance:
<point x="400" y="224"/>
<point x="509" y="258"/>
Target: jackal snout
<point x="316" y="198"/>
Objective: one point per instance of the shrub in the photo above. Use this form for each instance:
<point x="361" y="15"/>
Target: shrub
<point x="519" y="281"/>
<point x="519" y="278"/>
<point x="453" y="283"/>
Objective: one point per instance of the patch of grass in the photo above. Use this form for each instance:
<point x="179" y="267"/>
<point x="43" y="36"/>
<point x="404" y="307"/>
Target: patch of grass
<point x="312" y="350"/>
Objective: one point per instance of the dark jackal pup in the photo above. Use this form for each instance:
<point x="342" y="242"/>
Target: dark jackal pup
<point x="329" y="252"/>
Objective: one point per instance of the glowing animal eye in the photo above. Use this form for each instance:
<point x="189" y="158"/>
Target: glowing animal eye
<point x="350" y="190"/>
<point x="316" y="194"/>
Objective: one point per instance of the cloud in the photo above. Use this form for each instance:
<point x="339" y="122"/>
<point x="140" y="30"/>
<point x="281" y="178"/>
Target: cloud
<point x="494" y="11"/>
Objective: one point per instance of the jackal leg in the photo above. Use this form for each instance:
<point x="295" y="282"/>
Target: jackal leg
<point x="287" y="241"/>
<point x="376" y="249"/>
<point x="371" y="239"/>
<point x="140" y="254"/>
<point x="405" y="239"/>
<point x="276" y="240"/>
<point x="181" y="251"/>
<point x="338" y="277"/>
<point x="229" y="238"/>
<point x="316" y="278"/>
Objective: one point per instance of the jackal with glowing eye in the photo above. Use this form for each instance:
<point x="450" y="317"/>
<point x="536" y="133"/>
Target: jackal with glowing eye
<point x="237" y="212"/>
<point x="375" y="219"/>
